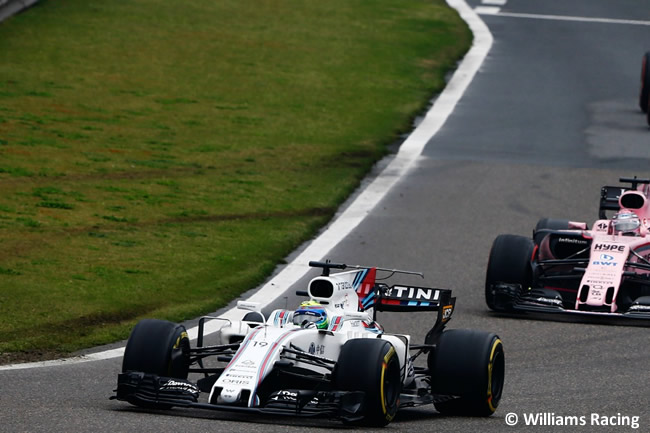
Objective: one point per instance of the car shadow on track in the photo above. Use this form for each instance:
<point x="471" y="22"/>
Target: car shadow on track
<point x="404" y="417"/>
<point x="569" y="318"/>
<point x="289" y="421"/>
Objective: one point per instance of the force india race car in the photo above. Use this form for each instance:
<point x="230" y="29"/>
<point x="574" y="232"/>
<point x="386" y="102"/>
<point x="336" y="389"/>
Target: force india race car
<point x="566" y="267"/>
<point x="327" y="358"/>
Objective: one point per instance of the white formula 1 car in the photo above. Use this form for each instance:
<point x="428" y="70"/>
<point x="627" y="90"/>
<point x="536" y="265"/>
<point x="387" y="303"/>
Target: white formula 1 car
<point x="328" y="358"/>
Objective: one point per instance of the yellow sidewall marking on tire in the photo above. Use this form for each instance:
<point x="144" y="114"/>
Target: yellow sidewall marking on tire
<point x="178" y="340"/>
<point x="384" y="364"/>
<point x="497" y="343"/>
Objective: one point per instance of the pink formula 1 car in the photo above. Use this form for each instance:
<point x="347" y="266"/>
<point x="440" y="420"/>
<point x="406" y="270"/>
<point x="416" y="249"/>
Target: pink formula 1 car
<point x="567" y="267"/>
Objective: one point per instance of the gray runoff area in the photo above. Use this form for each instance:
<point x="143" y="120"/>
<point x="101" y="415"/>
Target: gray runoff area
<point x="12" y="7"/>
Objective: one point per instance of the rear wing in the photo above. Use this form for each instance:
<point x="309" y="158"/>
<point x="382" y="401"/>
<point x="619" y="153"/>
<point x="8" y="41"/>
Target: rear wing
<point x="609" y="195"/>
<point x="413" y="298"/>
<point x="375" y="297"/>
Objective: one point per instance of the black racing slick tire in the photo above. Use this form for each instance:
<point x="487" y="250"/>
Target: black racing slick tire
<point x="509" y="263"/>
<point x="644" y="96"/>
<point x="548" y="224"/>
<point x="371" y="365"/>
<point x="254" y="317"/>
<point x="552" y="224"/>
<point x="469" y="365"/>
<point x="158" y="347"/>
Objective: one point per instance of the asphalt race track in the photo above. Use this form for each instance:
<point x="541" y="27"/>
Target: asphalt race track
<point x="551" y="116"/>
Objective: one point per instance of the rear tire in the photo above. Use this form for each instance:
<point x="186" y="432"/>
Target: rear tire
<point x="468" y="364"/>
<point x="158" y="347"/>
<point x="552" y="224"/>
<point x="644" y="96"/>
<point x="548" y="224"/>
<point x="509" y="263"/>
<point x="371" y="365"/>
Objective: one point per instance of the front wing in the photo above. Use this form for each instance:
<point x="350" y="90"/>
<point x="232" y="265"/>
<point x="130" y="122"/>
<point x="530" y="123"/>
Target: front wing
<point x="152" y="391"/>
<point x="539" y="301"/>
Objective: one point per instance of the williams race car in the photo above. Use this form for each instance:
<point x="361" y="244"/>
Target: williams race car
<point x="329" y="357"/>
<point x="568" y="268"/>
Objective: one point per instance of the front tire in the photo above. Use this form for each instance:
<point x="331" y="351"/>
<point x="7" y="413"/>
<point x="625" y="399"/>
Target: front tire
<point x="470" y="365"/>
<point x="509" y="263"/>
<point x="371" y="365"/>
<point x="158" y="347"/>
<point x="254" y="317"/>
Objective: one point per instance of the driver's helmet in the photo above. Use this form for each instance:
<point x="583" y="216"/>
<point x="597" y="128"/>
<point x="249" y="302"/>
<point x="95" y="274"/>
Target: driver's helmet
<point x="626" y="222"/>
<point x="311" y="312"/>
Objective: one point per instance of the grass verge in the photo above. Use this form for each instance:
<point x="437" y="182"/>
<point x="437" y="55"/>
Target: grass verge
<point x="159" y="158"/>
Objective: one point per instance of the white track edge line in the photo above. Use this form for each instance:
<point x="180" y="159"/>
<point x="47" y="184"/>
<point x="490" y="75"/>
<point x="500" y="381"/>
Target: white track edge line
<point x="408" y="153"/>
<point x="487" y="11"/>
